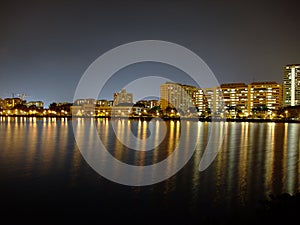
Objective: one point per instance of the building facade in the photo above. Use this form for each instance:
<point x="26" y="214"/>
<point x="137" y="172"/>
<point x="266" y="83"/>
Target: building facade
<point x="264" y="96"/>
<point x="9" y="103"/>
<point x="230" y="100"/>
<point x="291" y="85"/>
<point x="179" y="96"/>
<point x="1" y="103"/>
<point x="85" y="101"/>
<point x="201" y="102"/>
<point x="214" y="101"/>
<point x="122" y="97"/>
<point x="148" y="104"/>
<point x="37" y="104"/>
<point x="235" y="98"/>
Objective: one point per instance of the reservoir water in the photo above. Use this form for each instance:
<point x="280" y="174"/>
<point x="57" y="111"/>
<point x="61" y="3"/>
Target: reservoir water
<point x="44" y="177"/>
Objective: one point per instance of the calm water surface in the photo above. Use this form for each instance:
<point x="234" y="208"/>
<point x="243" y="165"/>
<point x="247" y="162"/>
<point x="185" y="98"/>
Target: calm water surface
<point x="43" y="174"/>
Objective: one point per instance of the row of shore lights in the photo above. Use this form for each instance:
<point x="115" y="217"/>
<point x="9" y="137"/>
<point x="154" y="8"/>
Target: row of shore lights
<point x="30" y="112"/>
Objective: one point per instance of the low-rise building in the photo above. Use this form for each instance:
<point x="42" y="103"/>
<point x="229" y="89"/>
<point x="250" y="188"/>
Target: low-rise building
<point x="122" y="97"/>
<point x="37" y="104"/>
<point x="1" y="103"/>
<point x="126" y="110"/>
<point x="10" y="103"/>
<point x="85" y="101"/>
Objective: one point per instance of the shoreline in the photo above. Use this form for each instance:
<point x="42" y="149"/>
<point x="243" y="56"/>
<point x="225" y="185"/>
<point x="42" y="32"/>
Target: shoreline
<point x="148" y="118"/>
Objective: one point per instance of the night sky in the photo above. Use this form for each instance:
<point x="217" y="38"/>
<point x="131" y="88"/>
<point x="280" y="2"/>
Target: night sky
<point x="45" y="46"/>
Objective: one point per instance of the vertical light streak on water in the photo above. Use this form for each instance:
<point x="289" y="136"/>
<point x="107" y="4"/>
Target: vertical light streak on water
<point x="48" y="154"/>
<point x="103" y="131"/>
<point x="292" y="158"/>
<point x="156" y="140"/>
<point x="243" y="161"/>
<point x="106" y="136"/>
<point x="232" y="148"/>
<point x="121" y="132"/>
<point x="126" y="157"/>
<point x="223" y="157"/>
<point x="87" y="133"/>
<point x="62" y="139"/>
<point x="140" y="151"/>
<point x="185" y="136"/>
<point x="197" y="155"/>
<point x="143" y="150"/>
<point x="171" y="138"/>
<point x="269" y="157"/>
<point x="30" y="155"/>
<point x="189" y="129"/>
<point x="261" y="143"/>
<point x="170" y="147"/>
<point x="139" y="135"/>
<point x="196" y="159"/>
<point x="285" y="149"/>
<point x="117" y="149"/>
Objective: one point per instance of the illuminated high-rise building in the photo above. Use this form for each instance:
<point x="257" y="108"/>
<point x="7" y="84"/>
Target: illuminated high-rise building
<point x="266" y="95"/>
<point x="235" y="97"/>
<point x="185" y="97"/>
<point x="201" y="102"/>
<point x="291" y="85"/>
<point x="213" y="97"/>
<point x="177" y="96"/>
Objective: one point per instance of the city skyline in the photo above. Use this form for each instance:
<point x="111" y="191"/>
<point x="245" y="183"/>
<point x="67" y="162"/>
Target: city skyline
<point x="22" y="96"/>
<point x="48" y="46"/>
<point x="261" y="99"/>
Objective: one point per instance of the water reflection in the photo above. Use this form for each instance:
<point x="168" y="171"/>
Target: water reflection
<point x="256" y="159"/>
<point x="32" y="147"/>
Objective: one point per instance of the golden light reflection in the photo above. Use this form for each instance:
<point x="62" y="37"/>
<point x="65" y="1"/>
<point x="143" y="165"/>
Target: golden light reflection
<point x="269" y="157"/>
<point x="171" y="137"/>
<point x="255" y="157"/>
<point x="292" y="158"/>
<point x="243" y="160"/>
<point x="285" y="147"/>
<point x="156" y="141"/>
<point x="143" y="149"/>
<point x="139" y="134"/>
<point x="233" y="131"/>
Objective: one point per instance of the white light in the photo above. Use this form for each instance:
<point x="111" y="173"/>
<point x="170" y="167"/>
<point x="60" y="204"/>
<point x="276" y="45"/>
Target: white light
<point x="293" y="87"/>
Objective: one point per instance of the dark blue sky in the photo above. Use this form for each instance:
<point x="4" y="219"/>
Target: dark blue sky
<point x="45" y="46"/>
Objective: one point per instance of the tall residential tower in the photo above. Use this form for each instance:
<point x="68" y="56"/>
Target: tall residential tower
<point x="291" y="85"/>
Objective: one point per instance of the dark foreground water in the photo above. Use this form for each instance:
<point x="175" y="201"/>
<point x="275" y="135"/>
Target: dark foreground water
<point x="44" y="178"/>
